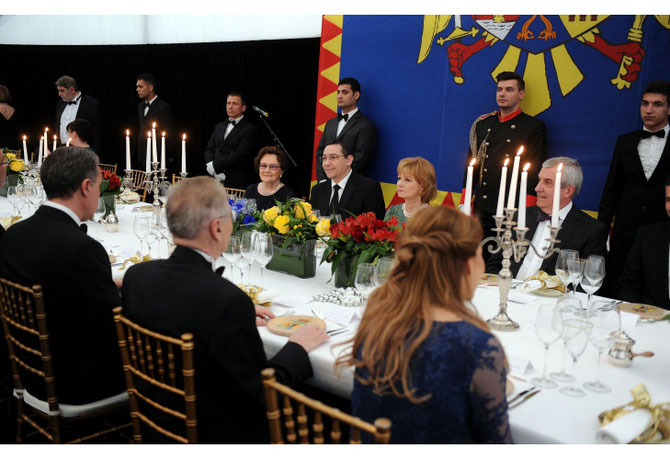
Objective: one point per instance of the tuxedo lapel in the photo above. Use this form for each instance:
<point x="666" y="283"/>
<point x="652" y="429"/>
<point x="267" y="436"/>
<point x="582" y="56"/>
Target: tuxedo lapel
<point x="348" y="192"/>
<point x="663" y="164"/>
<point x="348" y="125"/>
<point x="634" y="157"/>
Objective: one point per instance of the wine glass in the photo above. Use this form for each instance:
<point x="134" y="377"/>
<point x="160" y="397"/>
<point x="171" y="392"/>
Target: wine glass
<point x="548" y="328"/>
<point x="163" y="191"/>
<point x="575" y="269"/>
<point x="232" y="254"/>
<point x="562" y="266"/>
<point x="248" y="251"/>
<point x="265" y="250"/>
<point x="576" y="332"/>
<point x="382" y="270"/>
<point x="606" y="324"/>
<point x="337" y="218"/>
<point x="152" y="233"/>
<point x="594" y="274"/>
<point x="14" y="198"/>
<point x="140" y="230"/>
<point x="566" y="306"/>
<point x="316" y="213"/>
<point x="364" y="280"/>
<point x="99" y="210"/>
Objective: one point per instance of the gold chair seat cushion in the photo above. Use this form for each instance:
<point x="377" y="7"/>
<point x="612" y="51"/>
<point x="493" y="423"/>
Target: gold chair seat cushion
<point x="69" y="410"/>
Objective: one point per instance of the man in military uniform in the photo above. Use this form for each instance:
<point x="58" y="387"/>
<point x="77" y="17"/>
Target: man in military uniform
<point x="498" y="135"/>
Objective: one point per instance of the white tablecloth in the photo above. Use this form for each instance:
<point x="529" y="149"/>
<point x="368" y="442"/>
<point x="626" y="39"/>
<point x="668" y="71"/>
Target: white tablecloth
<point x="548" y="417"/>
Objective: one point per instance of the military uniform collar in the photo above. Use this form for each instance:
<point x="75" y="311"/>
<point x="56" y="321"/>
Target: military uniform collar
<point x="508" y="117"/>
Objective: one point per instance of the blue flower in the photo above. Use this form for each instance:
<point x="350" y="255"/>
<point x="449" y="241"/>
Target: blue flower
<point x="248" y="220"/>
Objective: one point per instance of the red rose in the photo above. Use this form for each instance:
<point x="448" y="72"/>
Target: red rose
<point x="114" y="182"/>
<point x="357" y="234"/>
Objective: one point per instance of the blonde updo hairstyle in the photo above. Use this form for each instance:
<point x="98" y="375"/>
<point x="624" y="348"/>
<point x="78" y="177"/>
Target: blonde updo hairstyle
<point x="422" y="171"/>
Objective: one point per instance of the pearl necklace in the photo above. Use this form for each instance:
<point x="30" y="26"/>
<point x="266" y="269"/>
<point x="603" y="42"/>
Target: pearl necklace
<point x="264" y="192"/>
<point x="409" y="214"/>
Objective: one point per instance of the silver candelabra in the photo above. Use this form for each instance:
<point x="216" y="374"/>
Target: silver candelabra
<point x="153" y="184"/>
<point x="518" y="248"/>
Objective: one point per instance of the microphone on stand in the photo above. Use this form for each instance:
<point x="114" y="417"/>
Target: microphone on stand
<point x="255" y="108"/>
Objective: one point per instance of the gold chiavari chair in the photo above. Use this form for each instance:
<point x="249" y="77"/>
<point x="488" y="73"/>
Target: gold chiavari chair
<point x="137" y="179"/>
<point x="108" y="167"/>
<point x="235" y="193"/>
<point x="25" y="326"/>
<point x="176" y="178"/>
<point x="155" y="360"/>
<point x="380" y="430"/>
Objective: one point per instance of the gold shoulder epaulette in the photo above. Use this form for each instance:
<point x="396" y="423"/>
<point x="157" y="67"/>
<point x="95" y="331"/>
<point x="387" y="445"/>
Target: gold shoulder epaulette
<point x="486" y="115"/>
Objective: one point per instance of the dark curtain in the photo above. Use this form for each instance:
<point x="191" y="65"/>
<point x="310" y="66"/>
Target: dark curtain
<point x="280" y="76"/>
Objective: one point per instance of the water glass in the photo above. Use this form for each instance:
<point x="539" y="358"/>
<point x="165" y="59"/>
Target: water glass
<point x="575" y="270"/>
<point x="248" y="250"/>
<point x="141" y="229"/>
<point x="382" y="270"/>
<point x="566" y="306"/>
<point x="576" y="333"/>
<point x="265" y="250"/>
<point x="548" y="328"/>
<point x="562" y="265"/>
<point x="592" y="279"/>
<point x="364" y="280"/>
<point x="606" y="324"/>
<point x="232" y="254"/>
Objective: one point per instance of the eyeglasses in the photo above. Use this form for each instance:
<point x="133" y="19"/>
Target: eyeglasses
<point x="331" y="158"/>
<point x="270" y="167"/>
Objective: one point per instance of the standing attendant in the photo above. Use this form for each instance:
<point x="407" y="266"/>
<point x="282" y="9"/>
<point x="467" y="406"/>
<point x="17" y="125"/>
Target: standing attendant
<point x="74" y="104"/>
<point x="633" y="192"/>
<point x="154" y="109"/>
<point x="271" y="163"/>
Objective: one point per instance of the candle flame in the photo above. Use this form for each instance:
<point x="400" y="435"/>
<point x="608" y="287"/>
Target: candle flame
<point x="506" y="162"/>
<point x="183" y="137"/>
<point x="46" y="130"/>
<point x="474" y="160"/>
<point x="520" y="151"/>
<point x="127" y="132"/>
<point x="560" y="167"/>
<point x="24" y="137"/>
<point x="163" y="134"/>
<point x="54" y="137"/>
<point x="154" y="125"/>
<point x="148" y="133"/>
<point x="525" y="168"/>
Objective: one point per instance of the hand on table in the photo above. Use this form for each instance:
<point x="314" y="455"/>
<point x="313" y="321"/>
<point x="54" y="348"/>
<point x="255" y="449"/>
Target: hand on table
<point x="309" y="337"/>
<point x="262" y="315"/>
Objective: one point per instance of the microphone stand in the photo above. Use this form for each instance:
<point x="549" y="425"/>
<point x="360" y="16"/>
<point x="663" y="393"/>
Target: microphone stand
<point x="277" y="140"/>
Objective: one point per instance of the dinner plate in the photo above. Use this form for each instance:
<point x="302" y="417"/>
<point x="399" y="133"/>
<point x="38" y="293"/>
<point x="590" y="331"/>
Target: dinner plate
<point x="287" y="325"/>
<point x="643" y="310"/>
<point x="489" y="279"/>
<point x="547" y="292"/>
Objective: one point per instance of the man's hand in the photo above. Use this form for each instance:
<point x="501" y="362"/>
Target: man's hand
<point x="262" y="315"/>
<point x="309" y="337"/>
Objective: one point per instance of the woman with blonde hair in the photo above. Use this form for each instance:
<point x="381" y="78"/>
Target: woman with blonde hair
<point x="416" y="185"/>
<point x="422" y="355"/>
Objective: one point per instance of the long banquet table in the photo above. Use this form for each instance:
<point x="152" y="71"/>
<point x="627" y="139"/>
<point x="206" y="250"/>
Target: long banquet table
<point x="549" y="417"/>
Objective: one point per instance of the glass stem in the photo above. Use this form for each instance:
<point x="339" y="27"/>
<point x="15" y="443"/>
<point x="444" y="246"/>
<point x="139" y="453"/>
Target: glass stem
<point x="261" y="273"/>
<point x="588" y="304"/>
<point x="565" y="354"/>
<point x="546" y="357"/>
<point x="574" y="367"/>
<point x="600" y="352"/>
<point x="574" y="289"/>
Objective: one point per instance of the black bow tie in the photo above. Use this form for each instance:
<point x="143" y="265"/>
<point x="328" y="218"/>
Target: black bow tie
<point x="233" y="122"/>
<point x="84" y="228"/>
<point x="219" y="271"/>
<point x="147" y="105"/>
<point x="542" y="216"/>
<point x="342" y="117"/>
<point x="647" y="134"/>
<point x="71" y="102"/>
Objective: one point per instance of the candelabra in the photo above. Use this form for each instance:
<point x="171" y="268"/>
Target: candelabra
<point x="503" y="242"/>
<point x="154" y="184"/>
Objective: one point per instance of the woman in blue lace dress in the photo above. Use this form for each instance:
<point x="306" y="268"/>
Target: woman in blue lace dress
<point x="423" y="357"/>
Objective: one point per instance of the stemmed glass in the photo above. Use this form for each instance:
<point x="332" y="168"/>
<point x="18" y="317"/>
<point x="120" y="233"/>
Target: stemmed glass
<point x="152" y="234"/>
<point x="163" y="190"/>
<point x="382" y="270"/>
<point x="548" y="328"/>
<point x="14" y="198"/>
<point x="576" y="333"/>
<point x="364" y="280"/>
<point x="606" y="324"/>
<point x="265" y="250"/>
<point x="594" y="274"/>
<point x="337" y="218"/>
<point x="562" y="266"/>
<point x="575" y="269"/>
<point x="232" y="254"/>
<point x="248" y="251"/>
<point x="566" y="306"/>
<point x="140" y="229"/>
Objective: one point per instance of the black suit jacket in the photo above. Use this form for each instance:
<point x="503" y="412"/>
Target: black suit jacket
<point x="359" y="135"/>
<point x="579" y="231"/>
<point x="360" y="195"/>
<point x="628" y="195"/>
<point x="645" y="276"/>
<point x="182" y="294"/>
<point x="161" y="113"/>
<point x="234" y="155"/>
<point x="89" y="110"/>
<point x="73" y="269"/>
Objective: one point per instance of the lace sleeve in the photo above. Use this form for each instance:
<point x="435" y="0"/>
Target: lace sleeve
<point x="488" y="417"/>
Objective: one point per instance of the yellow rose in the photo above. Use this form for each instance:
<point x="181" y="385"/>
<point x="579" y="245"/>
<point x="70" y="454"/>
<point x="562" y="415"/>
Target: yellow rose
<point x="302" y="209"/>
<point x="313" y="218"/>
<point x="270" y="214"/>
<point x="10" y="156"/>
<point x="281" y="224"/>
<point x="16" y="165"/>
<point x="323" y="227"/>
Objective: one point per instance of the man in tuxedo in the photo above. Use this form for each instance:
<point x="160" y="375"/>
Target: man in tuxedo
<point x="185" y="294"/>
<point x="150" y="110"/>
<point x="579" y="231"/>
<point x="231" y="148"/>
<point x="72" y="105"/>
<point x="52" y="250"/>
<point x="79" y="132"/>
<point x="498" y="135"/>
<point x="351" y="128"/>
<point x="345" y="192"/>
<point x="633" y="192"/>
<point x="645" y="275"/>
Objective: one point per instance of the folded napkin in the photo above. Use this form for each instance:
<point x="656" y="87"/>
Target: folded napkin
<point x="130" y="197"/>
<point x="267" y="296"/>
<point x="135" y="260"/>
<point x="9" y="221"/>
<point x="541" y="281"/>
<point x="625" y="428"/>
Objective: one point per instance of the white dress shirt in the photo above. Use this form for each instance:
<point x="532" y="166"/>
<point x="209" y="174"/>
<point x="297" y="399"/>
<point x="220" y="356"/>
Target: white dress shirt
<point x="68" y="116"/>
<point x="532" y="262"/>
<point x="65" y="209"/>
<point x="146" y="107"/>
<point x="342" y="184"/>
<point x="210" y="166"/>
<point x="650" y="151"/>
<point x="341" y="123"/>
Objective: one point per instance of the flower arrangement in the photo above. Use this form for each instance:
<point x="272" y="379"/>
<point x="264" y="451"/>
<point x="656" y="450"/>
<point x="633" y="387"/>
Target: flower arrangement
<point x="365" y="237"/>
<point x="110" y="183"/>
<point x="245" y="215"/>
<point x="15" y="165"/>
<point x="294" y="219"/>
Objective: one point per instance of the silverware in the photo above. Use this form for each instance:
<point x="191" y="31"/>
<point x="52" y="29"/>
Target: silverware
<point x="524" y="399"/>
<point x="520" y="395"/>
<point x="339" y="332"/>
<point x="336" y="330"/>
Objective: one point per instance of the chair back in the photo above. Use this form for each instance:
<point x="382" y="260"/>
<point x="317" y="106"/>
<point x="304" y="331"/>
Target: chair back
<point x="154" y="358"/>
<point x="137" y="181"/>
<point x="380" y="430"/>
<point x="235" y="193"/>
<point x="108" y="167"/>
<point x="176" y="178"/>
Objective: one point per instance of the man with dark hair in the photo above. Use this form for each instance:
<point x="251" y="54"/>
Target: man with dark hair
<point x="351" y="128"/>
<point x="633" y="192"/>
<point x="645" y="276"/>
<point x="185" y="294"/>
<point x="498" y="135"/>
<point x="152" y="110"/>
<point x="345" y="192"/>
<point x="231" y="148"/>
<point x="72" y="105"/>
<point x="52" y="250"/>
<point x="78" y="132"/>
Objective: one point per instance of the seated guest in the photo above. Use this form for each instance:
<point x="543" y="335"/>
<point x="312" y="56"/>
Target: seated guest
<point x="52" y="249"/>
<point x="78" y="132"/>
<point x="416" y="185"/>
<point x="345" y="192"/>
<point x="645" y="275"/>
<point x="271" y="163"/>
<point x="440" y="374"/>
<point x="579" y="231"/>
<point x="184" y="294"/>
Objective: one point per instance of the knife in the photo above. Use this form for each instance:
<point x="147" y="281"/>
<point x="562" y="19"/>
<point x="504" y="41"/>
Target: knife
<point x="520" y="395"/>
<point x="525" y="398"/>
